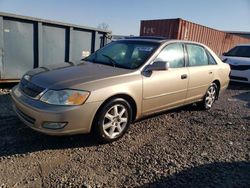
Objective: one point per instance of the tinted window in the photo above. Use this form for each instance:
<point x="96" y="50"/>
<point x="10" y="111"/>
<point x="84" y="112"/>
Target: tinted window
<point x="196" y="55"/>
<point x="211" y="59"/>
<point x="125" y="54"/>
<point x="239" y="51"/>
<point x="172" y="53"/>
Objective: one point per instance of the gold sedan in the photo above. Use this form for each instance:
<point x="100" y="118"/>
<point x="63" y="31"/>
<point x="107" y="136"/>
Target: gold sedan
<point x="118" y="84"/>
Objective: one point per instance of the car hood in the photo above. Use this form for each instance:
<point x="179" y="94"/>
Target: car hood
<point x="67" y="75"/>
<point x="236" y="60"/>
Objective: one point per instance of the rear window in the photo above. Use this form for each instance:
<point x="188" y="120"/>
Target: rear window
<point x="239" y="51"/>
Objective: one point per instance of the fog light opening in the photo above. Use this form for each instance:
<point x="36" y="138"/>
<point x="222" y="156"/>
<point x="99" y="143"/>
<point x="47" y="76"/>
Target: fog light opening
<point x="54" y="125"/>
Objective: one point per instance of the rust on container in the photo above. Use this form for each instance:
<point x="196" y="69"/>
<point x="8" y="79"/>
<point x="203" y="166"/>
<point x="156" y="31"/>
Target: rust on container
<point x="166" y="28"/>
<point x="178" y="28"/>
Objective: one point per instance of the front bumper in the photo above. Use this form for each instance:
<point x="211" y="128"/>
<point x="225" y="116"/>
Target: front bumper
<point x="34" y="113"/>
<point x="240" y="76"/>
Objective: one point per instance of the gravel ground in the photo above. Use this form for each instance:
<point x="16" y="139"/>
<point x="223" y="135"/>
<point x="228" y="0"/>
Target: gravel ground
<point x="179" y="148"/>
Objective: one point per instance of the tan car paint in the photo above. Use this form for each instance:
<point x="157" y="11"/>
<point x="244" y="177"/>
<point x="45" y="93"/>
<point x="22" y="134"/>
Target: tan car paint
<point x="164" y="89"/>
<point x="129" y="84"/>
<point x="200" y="78"/>
<point x="159" y="91"/>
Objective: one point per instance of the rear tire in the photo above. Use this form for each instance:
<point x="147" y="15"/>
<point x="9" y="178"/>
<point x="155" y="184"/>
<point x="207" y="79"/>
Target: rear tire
<point x="112" y="120"/>
<point x="209" y="98"/>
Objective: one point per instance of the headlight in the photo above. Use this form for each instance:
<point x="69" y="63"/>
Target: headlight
<point x="65" y="97"/>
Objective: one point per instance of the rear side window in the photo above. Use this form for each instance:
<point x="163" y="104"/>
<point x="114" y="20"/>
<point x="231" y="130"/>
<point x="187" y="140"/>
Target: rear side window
<point x="211" y="59"/>
<point x="196" y="55"/>
<point x="174" y="54"/>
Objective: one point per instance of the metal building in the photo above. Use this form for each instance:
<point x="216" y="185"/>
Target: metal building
<point x="218" y="41"/>
<point x="27" y="43"/>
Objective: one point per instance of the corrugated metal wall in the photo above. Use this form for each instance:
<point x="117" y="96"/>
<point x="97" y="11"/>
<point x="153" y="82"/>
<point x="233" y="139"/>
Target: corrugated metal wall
<point x="218" y="41"/>
<point x="198" y="33"/>
<point x="27" y="43"/>
<point x="232" y="40"/>
<point x="165" y="28"/>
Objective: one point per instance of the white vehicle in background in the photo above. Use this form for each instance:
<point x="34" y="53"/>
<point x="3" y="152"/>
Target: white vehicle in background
<point x="239" y="60"/>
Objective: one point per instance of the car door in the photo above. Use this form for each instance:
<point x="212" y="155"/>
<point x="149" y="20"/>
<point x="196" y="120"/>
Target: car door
<point x="200" y="72"/>
<point x="168" y="88"/>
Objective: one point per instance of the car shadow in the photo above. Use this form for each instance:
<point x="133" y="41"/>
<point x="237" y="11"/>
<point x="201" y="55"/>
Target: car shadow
<point x="238" y="86"/>
<point x="218" y="174"/>
<point x="16" y="138"/>
<point x="189" y="108"/>
<point x="247" y="118"/>
<point x="244" y="97"/>
<point x="20" y="139"/>
<point x="8" y="85"/>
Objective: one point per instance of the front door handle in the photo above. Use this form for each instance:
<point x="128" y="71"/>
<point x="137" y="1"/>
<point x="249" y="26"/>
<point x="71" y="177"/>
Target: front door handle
<point x="184" y="76"/>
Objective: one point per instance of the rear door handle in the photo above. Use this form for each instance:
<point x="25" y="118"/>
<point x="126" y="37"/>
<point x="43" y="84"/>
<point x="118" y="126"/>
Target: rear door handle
<point x="184" y="76"/>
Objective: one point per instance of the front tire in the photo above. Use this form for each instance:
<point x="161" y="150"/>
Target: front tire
<point x="209" y="98"/>
<point x="112" y="120"/>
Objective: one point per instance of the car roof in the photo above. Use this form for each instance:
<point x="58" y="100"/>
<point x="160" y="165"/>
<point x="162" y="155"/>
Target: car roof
<point x="157" y="40"/>
<point x="243" y="45"/>
<point x="146" y="39"/>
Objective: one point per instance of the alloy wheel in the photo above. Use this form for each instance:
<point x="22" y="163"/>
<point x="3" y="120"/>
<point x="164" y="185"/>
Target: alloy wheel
<point x="210" y="96"/>
<point x="115" y="120"/>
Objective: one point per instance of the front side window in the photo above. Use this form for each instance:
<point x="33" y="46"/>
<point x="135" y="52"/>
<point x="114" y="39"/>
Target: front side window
<point x="173" y="54"/>
<point x="124" y="54"/>
<point x="196" y="55"/>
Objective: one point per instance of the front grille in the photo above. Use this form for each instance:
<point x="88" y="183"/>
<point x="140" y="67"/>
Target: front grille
<point x="240" y="67"/>
<point x="238" y="78"/>
<point x="26" y="117"/>
<point x="30" y="89"/>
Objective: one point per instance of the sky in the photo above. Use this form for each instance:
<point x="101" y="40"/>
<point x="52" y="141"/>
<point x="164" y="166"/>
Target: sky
<point x="124" y="16"/>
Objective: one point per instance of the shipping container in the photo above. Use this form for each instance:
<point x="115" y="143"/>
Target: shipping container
<point x="218" y="41"/>
<point x="27" y="43"/>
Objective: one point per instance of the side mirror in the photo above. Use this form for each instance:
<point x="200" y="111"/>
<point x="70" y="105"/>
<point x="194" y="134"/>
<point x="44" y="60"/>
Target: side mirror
<point x="224" y="60"/>
<point x="158" y="66"/>
<point x="224" y="53"/>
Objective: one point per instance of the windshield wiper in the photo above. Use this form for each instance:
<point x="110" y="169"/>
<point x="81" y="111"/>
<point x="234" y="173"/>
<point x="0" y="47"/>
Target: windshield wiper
<point x="111" y="59"/>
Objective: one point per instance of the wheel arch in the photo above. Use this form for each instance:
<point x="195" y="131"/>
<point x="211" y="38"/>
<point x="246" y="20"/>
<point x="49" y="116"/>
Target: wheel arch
<point x="217" y="82"/>
<point x="126" y="97"/>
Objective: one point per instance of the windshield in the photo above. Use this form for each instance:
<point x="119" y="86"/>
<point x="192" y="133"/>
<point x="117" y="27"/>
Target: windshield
<point x="239" y="51"/>
<point x="124" y="54"/>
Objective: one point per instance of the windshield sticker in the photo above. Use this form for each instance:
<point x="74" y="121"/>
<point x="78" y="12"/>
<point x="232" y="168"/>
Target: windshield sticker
<point x="145" y="49"/>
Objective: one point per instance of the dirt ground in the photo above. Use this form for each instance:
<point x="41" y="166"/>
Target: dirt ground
<point x="179" y="148"/>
